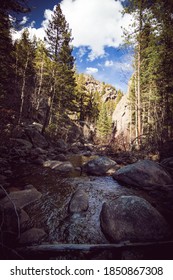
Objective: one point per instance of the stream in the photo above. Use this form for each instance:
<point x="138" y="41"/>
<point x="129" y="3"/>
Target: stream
<point x="51" y="211"/>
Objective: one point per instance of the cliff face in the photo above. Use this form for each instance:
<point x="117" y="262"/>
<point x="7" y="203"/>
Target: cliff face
<point x="107" y="91"/>
<point x="121" y="115"/>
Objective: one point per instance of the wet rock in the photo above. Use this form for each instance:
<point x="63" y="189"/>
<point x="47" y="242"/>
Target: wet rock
<point x="20" y="198"/>
<point x="32" y="236"/>
<point x="79" y="202"/>
<point x="143" y="174"/>
<point x="131" y="218"/>
<point x="98" y="166"/>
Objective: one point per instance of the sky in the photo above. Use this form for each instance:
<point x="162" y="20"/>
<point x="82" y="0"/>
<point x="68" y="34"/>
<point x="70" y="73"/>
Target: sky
<point x="97" y="36"/>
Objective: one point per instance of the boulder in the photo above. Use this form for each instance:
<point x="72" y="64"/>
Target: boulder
<point x="24" y="219"/>
<point x="10" y="220"/>
<point x="131" y="218"/>
<point x="20" y="198"/>
<point x="143" y="174"/>
<point x="61" y="146"/>
<point x="78" y="202"/>
<point x="36" y="138"/>
<point x="98" y="166"/>
<point x="61" y="166"/>
<point x="32" y="236"/>
<point x="22" y="143"/>
<point x="167" y="163"/>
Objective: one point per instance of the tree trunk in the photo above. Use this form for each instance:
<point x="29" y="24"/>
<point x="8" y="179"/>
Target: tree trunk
<point x="23" y="89"/>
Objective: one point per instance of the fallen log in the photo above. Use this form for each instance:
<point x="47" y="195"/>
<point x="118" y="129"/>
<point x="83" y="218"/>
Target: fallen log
<point x="57" y="248"/>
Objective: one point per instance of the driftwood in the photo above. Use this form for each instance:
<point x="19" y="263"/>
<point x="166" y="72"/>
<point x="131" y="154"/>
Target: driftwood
<point x="57" y="248"/>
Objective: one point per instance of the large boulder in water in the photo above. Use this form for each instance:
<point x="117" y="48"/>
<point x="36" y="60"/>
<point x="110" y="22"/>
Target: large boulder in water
<point x="98" y="166"/>
<point x="78" y="202"/>
<point x="144" y="174"/>
<point x="131" y="218"/>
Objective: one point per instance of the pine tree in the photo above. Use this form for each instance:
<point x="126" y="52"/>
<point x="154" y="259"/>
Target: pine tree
<point x="7" y="60"/>
<point x="25" y="74"/>
<point x="104" y="123"/>
<point x="61" y="93"/>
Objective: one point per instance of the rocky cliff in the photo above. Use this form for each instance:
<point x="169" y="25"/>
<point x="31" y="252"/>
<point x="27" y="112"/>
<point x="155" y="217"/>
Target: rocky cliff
<point x="121" y="115"/>
<point x="107" y="91"/>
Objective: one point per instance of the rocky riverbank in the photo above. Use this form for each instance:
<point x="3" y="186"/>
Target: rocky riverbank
<point x="70" y="193"/>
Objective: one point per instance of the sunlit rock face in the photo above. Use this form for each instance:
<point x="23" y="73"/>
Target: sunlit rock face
<point x="121" y="116"/>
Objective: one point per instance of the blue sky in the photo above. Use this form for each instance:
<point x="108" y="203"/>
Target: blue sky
<point x="96" y="29"/>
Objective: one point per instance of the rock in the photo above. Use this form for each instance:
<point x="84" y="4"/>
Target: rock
<point x="121" y="116"/>
<point x="11" y="219"/>
<point x="78" y="202"/>
<point x="61" y="146"/>
<point x="20" y="198"/>
<point x="61" y="157"/>
<point x="24" y="219"/>
<point x="32" y="236"/>
<point x="62" y="166"/>
<point x="131" y="218"/>
<point x="98" y="166"/>
<point x="74" y="150"/>
<point x="167" y="163"/>
<point x="38" y="126"/>
<point x="36" y="138"/>
<point x="24" y="144"/>
<point x="78" y="144"/>
<point x="143" y="174"/>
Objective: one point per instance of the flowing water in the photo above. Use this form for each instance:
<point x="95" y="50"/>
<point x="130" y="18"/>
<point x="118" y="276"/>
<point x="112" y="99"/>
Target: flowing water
<point x="51" y="211"/>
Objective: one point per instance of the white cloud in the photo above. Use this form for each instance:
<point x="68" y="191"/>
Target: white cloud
<point x="95" y="23"/>
<point x="24" y="20"/>
<point x="109" y="63"/>
<point x="91" y="70"/>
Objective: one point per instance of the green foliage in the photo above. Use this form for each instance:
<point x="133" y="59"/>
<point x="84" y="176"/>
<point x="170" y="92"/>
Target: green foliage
<point x="104" y="123"/>
<point x="153" y="38"/>
<point x="60" y="52"/>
